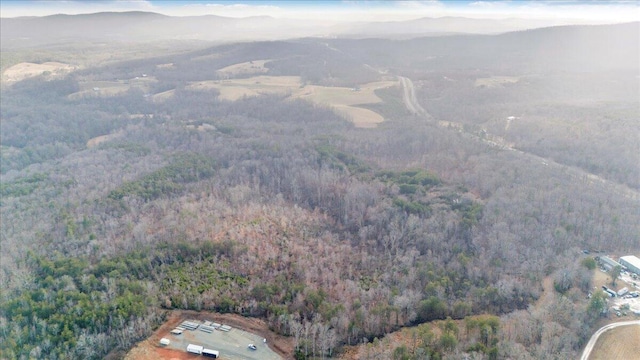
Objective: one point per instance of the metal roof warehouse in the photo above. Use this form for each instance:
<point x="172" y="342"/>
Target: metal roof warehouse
<point x="631" y="262"/>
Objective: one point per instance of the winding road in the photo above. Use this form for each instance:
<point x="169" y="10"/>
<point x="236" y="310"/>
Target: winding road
<point x="596" y="335"/>
<point x="578" y="174"/>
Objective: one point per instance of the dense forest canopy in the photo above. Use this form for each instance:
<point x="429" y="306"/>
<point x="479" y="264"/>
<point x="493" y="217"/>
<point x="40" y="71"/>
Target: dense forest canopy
<point x="119" y="206"/>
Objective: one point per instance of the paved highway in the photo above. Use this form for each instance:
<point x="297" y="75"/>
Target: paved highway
<point x="409" y="97"/>
<point x="413" y="105"/>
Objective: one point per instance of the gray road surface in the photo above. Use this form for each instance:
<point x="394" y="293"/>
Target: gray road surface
<point x="594" y="337"/>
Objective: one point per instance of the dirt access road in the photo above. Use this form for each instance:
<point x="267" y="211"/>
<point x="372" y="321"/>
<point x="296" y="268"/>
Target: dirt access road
<point x="596" y="335"/>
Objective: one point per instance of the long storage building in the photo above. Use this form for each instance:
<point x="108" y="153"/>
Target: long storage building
<point x="632" y="263"/>
<point x="608" y="263"/>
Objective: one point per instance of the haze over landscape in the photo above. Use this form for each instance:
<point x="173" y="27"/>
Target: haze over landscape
<point x="341" y="179"/>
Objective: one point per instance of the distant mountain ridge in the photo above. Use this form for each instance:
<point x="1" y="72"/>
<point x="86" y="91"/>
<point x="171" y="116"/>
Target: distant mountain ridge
<point x="447" y="24"/>
<point x="137" y="26"/>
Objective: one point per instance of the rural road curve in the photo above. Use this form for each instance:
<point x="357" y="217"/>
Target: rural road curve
<point x="594" y="337"/>
<point x="411" y="102"/>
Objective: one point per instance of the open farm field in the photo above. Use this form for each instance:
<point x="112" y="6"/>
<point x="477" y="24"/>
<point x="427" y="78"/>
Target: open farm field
<point x="249" y="67"/>
<point x="496" y="81"/>
<point x="111" y="88"/>
<point x="362" y="118"/>
<point x="365" y="94"/>
<point x="26" y="70"/>
<point x="101" y="139"/>
<point x="235" y="89"/>
<point x="619" y="343"/>
<point x="343" y="99"/>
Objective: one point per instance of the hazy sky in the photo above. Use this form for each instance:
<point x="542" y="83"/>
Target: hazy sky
<point x="579" y="11"/>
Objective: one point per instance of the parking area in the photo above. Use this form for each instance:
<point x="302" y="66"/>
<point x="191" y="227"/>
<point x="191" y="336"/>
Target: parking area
<point x="232" y="344"/>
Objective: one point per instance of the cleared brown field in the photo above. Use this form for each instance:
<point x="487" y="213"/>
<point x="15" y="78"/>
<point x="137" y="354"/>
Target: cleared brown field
<point x="25" y="70"/>
<point x="496" y="81"/>
<point x="234" y="89"/>
<point x="110" y="88"/>
<point x="600" y="278"/>
<point x="362" y="118"/>
<point x="620" y="343"/>
<point x="344" y="96"/>
<point x="343" y="100"/>
<point x="249" y="67"/>
<point x="100" y="139"/>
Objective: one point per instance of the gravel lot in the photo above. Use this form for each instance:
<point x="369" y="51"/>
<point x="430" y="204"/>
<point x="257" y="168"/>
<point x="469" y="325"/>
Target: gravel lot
<point x="232" y="345"/>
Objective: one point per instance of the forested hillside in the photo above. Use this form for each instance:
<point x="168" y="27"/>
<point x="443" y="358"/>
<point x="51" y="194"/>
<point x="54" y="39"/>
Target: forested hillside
<point x="275" y="207"/>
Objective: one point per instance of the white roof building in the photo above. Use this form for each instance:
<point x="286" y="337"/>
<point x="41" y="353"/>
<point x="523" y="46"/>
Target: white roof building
<point x="195" y="349"/>
<point x="632" y="263"/>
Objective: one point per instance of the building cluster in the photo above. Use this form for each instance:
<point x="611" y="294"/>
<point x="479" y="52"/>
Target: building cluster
<point x="628" y="263"/>
<point x="207" y="327"/>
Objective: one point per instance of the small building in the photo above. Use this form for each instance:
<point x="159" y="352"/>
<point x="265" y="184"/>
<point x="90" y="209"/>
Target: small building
<point x="622" y="291"/>
<point x="177" y="331"/>
<point x="165" y="341"/>
<point x="210" y="353"/>
<point x="632" y="263"/>
<point x="189" y="325"/>
<point x="207" y="329"/>
<point x="195" y="349"/>
<point x="608" y="263"/>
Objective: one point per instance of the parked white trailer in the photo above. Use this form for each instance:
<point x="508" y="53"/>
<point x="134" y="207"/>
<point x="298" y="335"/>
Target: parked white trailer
<point x="195" y="349"/>
<point x="623" y="291"/>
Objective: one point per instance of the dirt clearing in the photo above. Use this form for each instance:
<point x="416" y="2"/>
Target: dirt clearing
<point x="619" y="343"/>
<point x="101" y="139"/>
<point x="150" y="349"/>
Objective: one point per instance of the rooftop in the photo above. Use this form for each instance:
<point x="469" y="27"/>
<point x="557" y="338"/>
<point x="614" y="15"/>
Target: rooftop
<point x="633" y="260"/>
